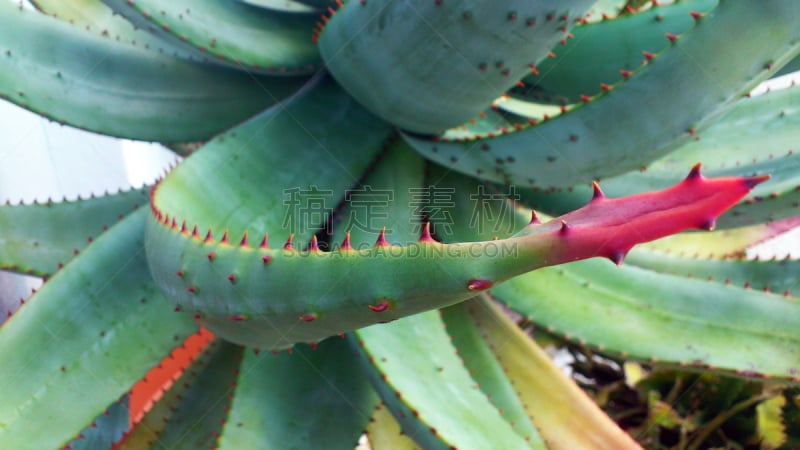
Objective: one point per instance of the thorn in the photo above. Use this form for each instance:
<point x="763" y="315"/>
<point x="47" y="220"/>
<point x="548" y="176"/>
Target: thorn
<point x="477" y="284"/>
<point x="192" y="289"/>
<point x="648" y="55"/>
<point x="753" y="181"/>
<point x="195" y="233"/>
<point x="598" y="193"/>
<point x="184" y="230"/>
<point x="425" y="236"/>
<point x="314" y="246"/>
<point x="695" y="174"/>
<point x="237" y="317"/>
<point x="617" y="257"/>
<point x="244" y="242"/>
<point x="534" y="218"/>
<point x="346" y="242"/>
<point x="564" y="228"/>
<point x="288" y="244"/>
<point x="265" y="242"/>
<point x="209" y="237"/>
<point x="266" y="259"/>
<point x="211" y="256"/>
<point x="232" y="278"/>
<point x="381" y="241"/>
<point x="224" y="239"/>
<point x="709" y="225"/>
<point x="310" y="317"/>
<point x="382" y="306"/>
<point x="696" y="15"/>
<point x="625" y="73"/>
<point x="180" y="273"/>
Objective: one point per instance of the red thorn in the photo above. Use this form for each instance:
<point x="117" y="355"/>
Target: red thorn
<point x="381" y="241"/>
<point x="709" y="225"/>
<point x="192" y="289"/>
<point x="224" y="239"/>
<point x="695" y="174"/>
<point x="184" y="230"/>
<point x="211" y="256"/>
<point x="232" y="278"/>
<point x="671" y="37"/>
<point x="477" y="284"/>
<point x="267" y="259"/>
<point x="585" y="98"/>
<point x="209" y="237"/>
<point x="696" y="15"/>
<point x="752" y="182"/>
<point x="314" y="246"/>
<point x="564" y="227"/>
<point x="173" y="224"/>
<point x="244" y="242"/>
<point x="310" y="317"/>
<point x="237" y="318"/>
<point x="382" y="306"/>
<point x="625" y="73"/>
<point x="346" y="242"/>
<point x="288" y="244"/>
<point x="425" y="236"/>
<point x="313" y="345"/>
<point x="534" y="218"/>
<point x="617" y="257"/>
<point x="605" y="87"/>
<point x="598" y="193"/>
<point x="648" y="56"/>
<point x="265" y="242"/>
<point x="180" y="273"/>
<point x="195" y="233"/>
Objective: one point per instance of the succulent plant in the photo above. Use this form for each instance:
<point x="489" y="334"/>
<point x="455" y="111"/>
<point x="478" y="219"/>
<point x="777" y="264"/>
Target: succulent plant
<point x="350" y="164"/>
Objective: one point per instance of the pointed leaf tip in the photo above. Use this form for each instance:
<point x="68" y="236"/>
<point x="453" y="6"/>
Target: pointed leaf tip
<point x="755" y="180"/>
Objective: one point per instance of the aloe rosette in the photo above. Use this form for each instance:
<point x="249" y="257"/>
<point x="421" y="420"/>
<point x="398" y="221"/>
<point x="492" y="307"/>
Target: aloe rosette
<point x="404" y="98"/>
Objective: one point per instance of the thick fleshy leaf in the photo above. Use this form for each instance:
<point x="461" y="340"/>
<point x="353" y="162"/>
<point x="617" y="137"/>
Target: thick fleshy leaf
<point x="757" y="135"/>
<point x="305" y="398"/>
<point x="566" y="417"/>
<point x="651" y="316"/>
<point x="231" y="33"/>
<point x="608" y="47"/>
<point x="260" y="177"/>
<point x="105" y="429"/>
<point x="87" y="80"/>
<point x="658" y="108"/>
<point x="384" y="432"/>
<point x="83" y="340"/>
<point x="39" y="238"/>
<point x="458" y="55"/>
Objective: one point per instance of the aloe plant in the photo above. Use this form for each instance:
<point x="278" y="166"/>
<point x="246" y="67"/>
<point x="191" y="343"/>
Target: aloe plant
<point x="350" y="164"/>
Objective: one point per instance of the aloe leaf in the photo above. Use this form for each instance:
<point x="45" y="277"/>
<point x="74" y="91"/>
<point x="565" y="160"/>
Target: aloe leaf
<point x="104" y="430"/>
<point x="114" y="87"/>
<point x="99" y="320"/>
<point x="97" y="16"/>
<point x="231" y="33"/>
<point x="283" y="5"/>
<point x="384" y="433"/>
<point x="154" y="415"/>
<point x="566" y="417"/>
<point x="607" y="46"/>
<point x="723" y="243"/>
<point x="771" y="276"/>
<point x="458" y="55"/>
<point x="757" y="135"/>
<point x="383" y="281"/>
<point x="39" y="238"/>
<point x="562" y="151"/>
<point x="663" y="318"/>
<point x="448" y="410"/>
<point x="200" y="413"/>
<point x="271" y="390"/>
<point x="265" y="180"/>
<point x="488" y="372"/>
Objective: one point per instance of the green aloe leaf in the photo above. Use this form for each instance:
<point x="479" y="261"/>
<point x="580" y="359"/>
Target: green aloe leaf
<point x="104" y="430"/>
<point x="608" y="47"/>
<point x="100" y="321"/>
<point x="565" y="415"/>
<point x="563" y="150"/>
<point x="39" y="238"/>
<point x="652" y="316"/>
<point x="230" y="33"/>
<point x="458" y="55"/>
<point x="310" y="397"/>
<point x="114" y="87"/>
